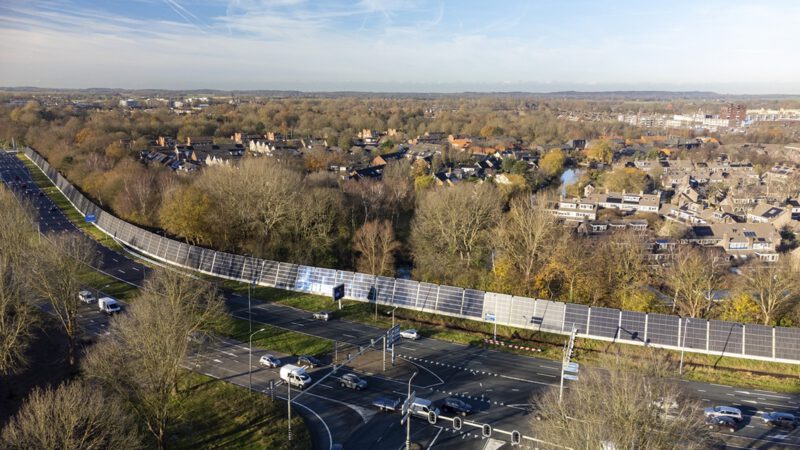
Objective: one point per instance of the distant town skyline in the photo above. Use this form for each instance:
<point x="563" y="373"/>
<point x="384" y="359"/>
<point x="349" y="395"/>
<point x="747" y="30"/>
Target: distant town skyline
<point x="729" y="47"/>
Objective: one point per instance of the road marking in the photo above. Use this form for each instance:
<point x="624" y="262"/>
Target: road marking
<point x="435" y="437"/>
<point x="120" y="271"/>
<point x="298" y="324"/>
<point x="350" y="336"/>
<point x="228" y="353"/>
<point x="217" y="361"/>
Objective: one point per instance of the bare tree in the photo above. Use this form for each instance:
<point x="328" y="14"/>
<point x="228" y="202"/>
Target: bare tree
<point x="376" y="246"/>
<point x="16" y="227"/>
<point x="399" y="186"/>
<point x="71" y="416"/>
<point x="142" y="358"/>
<point x="526" y="237"/>
<point x="17" y="318"/>
<point x="694" y="276"/>
<point x="623" y="409"/>
<point x="55" y="276"/>
<point x="772" y="286"/>
<point x="451" y="229"/>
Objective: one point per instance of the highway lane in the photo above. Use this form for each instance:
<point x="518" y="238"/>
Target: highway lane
<point x="499" y="384"/>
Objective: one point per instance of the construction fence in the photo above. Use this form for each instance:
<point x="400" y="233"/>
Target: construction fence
<point x="750" y="341"/>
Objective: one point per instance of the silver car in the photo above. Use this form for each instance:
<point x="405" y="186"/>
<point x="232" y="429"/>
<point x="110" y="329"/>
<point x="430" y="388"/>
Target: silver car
<point x="269" y="361"/>
<point x="724" y="411"/>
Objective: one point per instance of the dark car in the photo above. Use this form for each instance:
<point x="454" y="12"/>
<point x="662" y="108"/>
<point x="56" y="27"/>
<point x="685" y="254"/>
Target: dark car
<point x="308" y="362"/>
<point x="456" y="406"/>
<point x="352" y="381"/>
<point x="387" y="403"/>
<point x="781" y="420"/>
<point x="721" y="423"/>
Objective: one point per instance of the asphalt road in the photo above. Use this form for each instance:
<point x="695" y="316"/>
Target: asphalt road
<point x="498" y="385"/>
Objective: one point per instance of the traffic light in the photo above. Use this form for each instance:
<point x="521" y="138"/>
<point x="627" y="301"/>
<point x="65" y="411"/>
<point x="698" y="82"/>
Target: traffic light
<point x="516" y="438"/>
<point x="457" y="423"/>
<point x="486" y="430"/>
<point x="432" y="417"/>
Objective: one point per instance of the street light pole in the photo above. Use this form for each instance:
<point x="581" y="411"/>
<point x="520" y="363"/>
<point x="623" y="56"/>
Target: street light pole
<point x="683" y="345"/>
<point x="408" y="419"/>
<point x="289" y="406"/>
<point x="250" y="365"/>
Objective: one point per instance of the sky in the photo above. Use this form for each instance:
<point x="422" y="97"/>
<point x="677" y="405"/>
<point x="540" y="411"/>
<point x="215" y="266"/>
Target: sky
<point x="730" y="47"/>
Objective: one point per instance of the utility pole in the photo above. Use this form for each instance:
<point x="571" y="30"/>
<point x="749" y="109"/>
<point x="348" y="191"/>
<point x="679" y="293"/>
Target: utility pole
<point x="408" y="417"/>
<point x="683" y="344"/>
<point x="250" y="364"/>
<point x="384" y="352"/>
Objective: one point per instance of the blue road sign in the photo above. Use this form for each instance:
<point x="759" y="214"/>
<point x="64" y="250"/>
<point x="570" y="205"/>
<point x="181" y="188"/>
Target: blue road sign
<point x="91" y="218"/>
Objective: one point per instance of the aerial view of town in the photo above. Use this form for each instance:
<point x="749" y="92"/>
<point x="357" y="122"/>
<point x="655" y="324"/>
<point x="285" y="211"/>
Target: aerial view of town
<point x="369" y="224"/>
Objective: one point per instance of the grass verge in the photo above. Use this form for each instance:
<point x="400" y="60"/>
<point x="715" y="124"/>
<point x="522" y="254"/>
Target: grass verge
<point x="221" y="415"/>
<point x="278" y="339"/>
<point x="65" y="206"/>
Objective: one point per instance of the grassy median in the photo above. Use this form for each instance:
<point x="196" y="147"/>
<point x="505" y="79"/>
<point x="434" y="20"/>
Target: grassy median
<point x="221" y="415"/>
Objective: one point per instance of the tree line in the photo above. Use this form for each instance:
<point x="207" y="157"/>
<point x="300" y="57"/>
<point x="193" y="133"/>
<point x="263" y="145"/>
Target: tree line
<point x="128" y="389"/>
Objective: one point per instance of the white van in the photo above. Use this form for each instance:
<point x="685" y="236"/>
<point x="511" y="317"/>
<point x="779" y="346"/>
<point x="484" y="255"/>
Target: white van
<point x="295" y="375"/>
<point x="422" y="407"/>
<point x="108" y="305"/>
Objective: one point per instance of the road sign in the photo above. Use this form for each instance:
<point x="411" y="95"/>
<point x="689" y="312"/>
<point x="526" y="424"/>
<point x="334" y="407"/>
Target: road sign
<point x="404" y="418"/>
<point x="571" y="367"/>
<point x="393" y="335"/>
<point x="571" y="377"/>
<point x="409" y="401"/>
<point x="338" y="292"/>
<point x="91" y="218"/>
<point x="490" y="317"/>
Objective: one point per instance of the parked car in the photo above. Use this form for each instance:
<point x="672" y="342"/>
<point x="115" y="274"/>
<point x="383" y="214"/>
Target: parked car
<point x="308" y="362"/>
<point x="724" y="411"/>
<point x="86" y="297"/>
<point x="410" y="334"/>
<point x="269" y="361"/>
<point x="721" y="423"/>
<point x="781" y="420"/>
<point x="353" y="381"/>
<point x="322" y="315"/>
<point x="456" y="406"/>
<point x="387" y="403"/>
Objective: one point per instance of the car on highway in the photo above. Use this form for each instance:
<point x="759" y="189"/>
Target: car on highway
<point x="721" y="423"/>
<point x="322" y="315"/>
<point x="269" y="361"/>
<point x="724" y="411"/>
<point x="456" y="406"/>
<point x="86" y="296"/>
<point x="781" y="420"/>
<point x="352" y="381"/>
<point x="308" y="362"/>
<point x="387" y="403"/>
<point x="410" y="334"/>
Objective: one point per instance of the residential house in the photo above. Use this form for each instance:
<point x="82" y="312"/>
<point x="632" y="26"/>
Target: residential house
<point x="575" y="210"/>
<point x="199" y="140"/>
<point x="778" y="216"/>
<point x="624" y="201"/>
<point x="739" y="240"/>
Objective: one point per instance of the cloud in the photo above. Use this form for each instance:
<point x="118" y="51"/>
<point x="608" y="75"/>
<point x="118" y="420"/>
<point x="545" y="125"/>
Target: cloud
<point x="317" y="45"/>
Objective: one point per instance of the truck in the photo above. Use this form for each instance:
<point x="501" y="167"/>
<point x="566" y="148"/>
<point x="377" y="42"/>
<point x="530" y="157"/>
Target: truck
<point x="108" y="305"/>
<point x="386" y="403"/>
<point x="295" y="376"/>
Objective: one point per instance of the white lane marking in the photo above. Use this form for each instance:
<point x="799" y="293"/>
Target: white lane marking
<point x="441" y="381"/>
<point x="361" y="411"/>
<point x="526" y="381"/>
<point x="298" y="324"/>
<point x="348" y="335"/>
<point x="330" y="436"/>
<point x="228" y="353"/>
<point x="217" y="361"/>
<point x="434" y="438"/>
